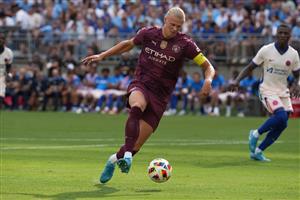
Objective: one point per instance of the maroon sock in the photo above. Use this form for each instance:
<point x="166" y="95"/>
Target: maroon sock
<point x="132" y="130"/>
<point x="134" y="152"/>
<point x="120" y="153"/>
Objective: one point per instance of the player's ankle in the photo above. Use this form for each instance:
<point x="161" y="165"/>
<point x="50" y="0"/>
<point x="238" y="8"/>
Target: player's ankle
<point x="255" y="133"/>
<point x="258" y="150"/>
<point x="113" y="158"/>
<point x="127" y="154"/>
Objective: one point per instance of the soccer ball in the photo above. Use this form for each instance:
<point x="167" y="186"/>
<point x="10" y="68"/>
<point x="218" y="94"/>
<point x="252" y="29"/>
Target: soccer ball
<point x="159" y="170"/>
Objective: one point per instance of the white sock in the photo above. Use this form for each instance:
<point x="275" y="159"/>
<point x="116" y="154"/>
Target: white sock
<point x="127" y="154"/>
<point x="228" y="110"/>
<point x="113" y="158"/>
<point x="258" y="150"/>
<point x="255" y="133"/>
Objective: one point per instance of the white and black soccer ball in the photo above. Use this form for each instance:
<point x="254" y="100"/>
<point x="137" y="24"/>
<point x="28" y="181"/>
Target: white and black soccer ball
<point x="159" y="170"/>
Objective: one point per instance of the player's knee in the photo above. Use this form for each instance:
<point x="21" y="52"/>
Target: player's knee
<point x="282" y="118"/>
<point x="140" y="105"/>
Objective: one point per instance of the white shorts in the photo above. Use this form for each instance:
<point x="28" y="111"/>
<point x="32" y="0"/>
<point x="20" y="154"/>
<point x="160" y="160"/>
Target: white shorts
<point x="85" y="91"/>
<point x="224" y="96"/>
<point x="273" y="102"/>
<point x="2" y="86"/>
<point x="115" y="92"/>
<point x="96" y="93"/>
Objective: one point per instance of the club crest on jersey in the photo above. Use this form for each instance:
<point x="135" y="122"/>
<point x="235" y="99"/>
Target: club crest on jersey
<point x="288" y="63"/>
<point x="275" y="103"/>
<point x="176" y="48"/>
<point x="163" y="44"/>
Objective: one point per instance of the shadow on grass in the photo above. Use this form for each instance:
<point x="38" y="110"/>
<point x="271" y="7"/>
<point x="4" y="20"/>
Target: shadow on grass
<point x="150" y="191"/>
<point x="101" y="192"/>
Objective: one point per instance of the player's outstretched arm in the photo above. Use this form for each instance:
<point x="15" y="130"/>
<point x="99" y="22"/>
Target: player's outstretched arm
<point x="295" y="89"/>
<point x="209" y="73"/>
<point x="249" y="68"/>
<point x="119" y="48"/>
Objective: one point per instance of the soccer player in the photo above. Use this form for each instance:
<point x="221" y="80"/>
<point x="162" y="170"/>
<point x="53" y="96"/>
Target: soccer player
<point x="6" y="57"/>
<point x="160" y="61"/>
<point x="278" y="60"/>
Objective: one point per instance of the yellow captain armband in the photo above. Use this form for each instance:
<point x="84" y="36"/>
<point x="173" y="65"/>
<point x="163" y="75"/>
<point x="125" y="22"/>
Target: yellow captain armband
<point x="200" y="59"/>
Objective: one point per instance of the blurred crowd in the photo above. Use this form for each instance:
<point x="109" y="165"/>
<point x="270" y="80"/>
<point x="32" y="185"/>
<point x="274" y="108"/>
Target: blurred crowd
<point x="86" y="89"/>
<point x="54" y="35"/>
<point x="77" y="27"/>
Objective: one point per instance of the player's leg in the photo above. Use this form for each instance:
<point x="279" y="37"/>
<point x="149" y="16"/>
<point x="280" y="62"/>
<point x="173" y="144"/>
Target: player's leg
<point x="228" y="105"/>
<point x="274" y="126"/>
<point x="184" y="102"/>
<point x="266" y="126"/>
<point x="272" y="136"/>
<point x="215" y="111"/>
<point x="138" y="103"/>
<point x="145" y="131"/>
<point x="1" y="102"/>
<point x="2" y="90"/>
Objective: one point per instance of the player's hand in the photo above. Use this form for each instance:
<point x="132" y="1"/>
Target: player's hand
<point x="206" y="88"/>
<point x="93" y="58"/>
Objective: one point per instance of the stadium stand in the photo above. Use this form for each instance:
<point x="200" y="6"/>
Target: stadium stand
<point x="49" y="38"/>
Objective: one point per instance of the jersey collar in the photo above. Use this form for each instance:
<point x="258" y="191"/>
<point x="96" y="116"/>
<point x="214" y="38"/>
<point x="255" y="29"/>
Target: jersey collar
<point x="281" y="51"/>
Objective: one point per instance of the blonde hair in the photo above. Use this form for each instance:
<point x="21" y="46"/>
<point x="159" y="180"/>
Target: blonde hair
<point x="177" y="12"/>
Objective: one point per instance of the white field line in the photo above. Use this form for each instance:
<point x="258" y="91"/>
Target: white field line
<point x="60" y="139"/>
<point x="165" y="143"/>
<point x="121" y="139"/>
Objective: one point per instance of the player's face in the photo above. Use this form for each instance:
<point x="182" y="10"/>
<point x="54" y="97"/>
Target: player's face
<point x="172" y="26"/>
<point x="283" y="35"/>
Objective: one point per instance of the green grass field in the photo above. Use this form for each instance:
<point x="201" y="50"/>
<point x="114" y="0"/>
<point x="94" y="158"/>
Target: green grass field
<point x="60" y="156"/>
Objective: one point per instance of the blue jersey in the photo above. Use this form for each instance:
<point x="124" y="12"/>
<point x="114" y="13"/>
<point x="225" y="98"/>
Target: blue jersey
<point x="196" y="86"/>
<point x="248" y="83"/>
<point x="183" y="83"/>
<point x="218" y="82"/>
<point x="102" y="83"/>
<point x="115" y="80"/>
<point x="187" y="82"/>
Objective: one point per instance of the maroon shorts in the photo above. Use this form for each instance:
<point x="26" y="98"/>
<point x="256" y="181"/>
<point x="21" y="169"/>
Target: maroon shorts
<point x="155" y="107"/>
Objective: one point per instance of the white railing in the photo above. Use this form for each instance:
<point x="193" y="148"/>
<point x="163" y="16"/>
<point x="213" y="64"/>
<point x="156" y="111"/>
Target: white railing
<point x="224" y="47"/>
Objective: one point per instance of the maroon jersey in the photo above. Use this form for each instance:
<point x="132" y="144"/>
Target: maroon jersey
<point x="161" y="59"/>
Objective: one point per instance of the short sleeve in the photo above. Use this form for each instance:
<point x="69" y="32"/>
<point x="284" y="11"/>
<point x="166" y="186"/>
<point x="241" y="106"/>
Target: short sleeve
<point x="191" y="50"/>
<point x="259" y="58"/>
<point x="296" y="65"/>
<point x="140" y="36"/>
